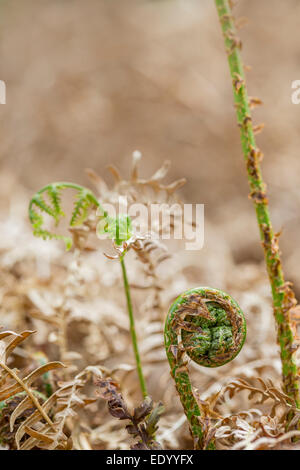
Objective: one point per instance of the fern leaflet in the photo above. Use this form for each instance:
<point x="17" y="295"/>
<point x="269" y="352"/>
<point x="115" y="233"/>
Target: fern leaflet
<point x="38" y="205"/>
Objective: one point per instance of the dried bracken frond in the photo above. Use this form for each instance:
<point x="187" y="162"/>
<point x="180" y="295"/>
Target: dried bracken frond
<point x="254" y="431"/>
<point x="267" y="391"/>
<point x="63" y="404"/>
<point x="56" y="310"/>
<point x="35" y="421"/>
<point x="11" y="383"/>
<point x="145" y="192"/>
<point x="7" y="408"/>
<point x="137" y="189"/>
<point x="251" y="429"/>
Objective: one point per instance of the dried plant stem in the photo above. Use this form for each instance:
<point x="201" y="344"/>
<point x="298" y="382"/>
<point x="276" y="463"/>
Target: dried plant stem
<point x="283" y="296"/>
<point x="29" y="393"/>
<point x="132" y="330"/>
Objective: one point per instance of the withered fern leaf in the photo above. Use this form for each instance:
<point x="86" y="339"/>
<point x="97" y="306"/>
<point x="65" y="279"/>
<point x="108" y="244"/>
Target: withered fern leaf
<point x="34" y="421"/>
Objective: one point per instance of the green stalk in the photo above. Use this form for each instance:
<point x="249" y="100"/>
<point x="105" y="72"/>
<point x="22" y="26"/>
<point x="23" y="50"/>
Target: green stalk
<point x="283" y="296"/>
<point x="133" y="332"/>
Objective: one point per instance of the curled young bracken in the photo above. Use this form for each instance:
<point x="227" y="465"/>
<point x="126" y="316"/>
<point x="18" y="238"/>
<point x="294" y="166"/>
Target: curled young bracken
<point x="48" y="201"/>
<point x="208" y="326"/>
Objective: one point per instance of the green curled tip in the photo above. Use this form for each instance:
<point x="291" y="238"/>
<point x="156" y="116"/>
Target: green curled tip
<point x="48" y="201"/>
<point x="211" y="324"/>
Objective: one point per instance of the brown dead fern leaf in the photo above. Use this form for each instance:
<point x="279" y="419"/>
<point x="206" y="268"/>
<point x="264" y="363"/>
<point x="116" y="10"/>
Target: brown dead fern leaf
<point x="34" y="421"/>
<point x="266" y="391"/>
<point x="11" y="383"/>
<point x="146" y="192"/>
<point x="263" y="428"/>
<point x="137" y="189"/>
<point x="63" y="404"/>
<point x="56" y="311"/>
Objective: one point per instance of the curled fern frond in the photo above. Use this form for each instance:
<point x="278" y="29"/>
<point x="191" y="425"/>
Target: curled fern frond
<point x="209" y="327"/>
<point x="52" y="207"/>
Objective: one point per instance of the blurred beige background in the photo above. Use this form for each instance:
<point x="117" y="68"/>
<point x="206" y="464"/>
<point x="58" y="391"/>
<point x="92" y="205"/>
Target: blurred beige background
<point x="90" y="81"/>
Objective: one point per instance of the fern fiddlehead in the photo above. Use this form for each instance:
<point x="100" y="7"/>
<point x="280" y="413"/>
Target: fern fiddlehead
<point x="208" y="326"/>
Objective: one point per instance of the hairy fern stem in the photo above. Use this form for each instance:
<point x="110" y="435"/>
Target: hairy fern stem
<point x="283" y="295"/>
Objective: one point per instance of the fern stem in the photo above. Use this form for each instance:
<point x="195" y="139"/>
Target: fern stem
<point x="133" y="331"/>
<point x="208" y="326"/>
<point x="283" y="296"/>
